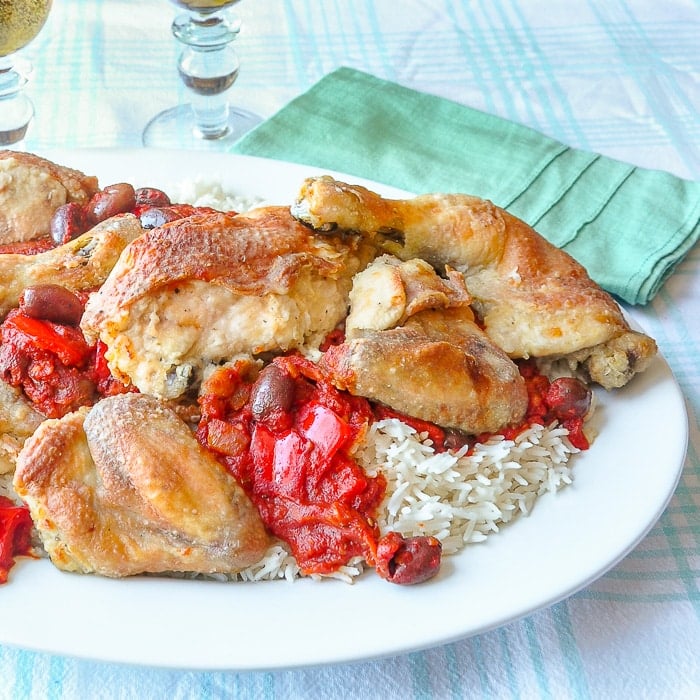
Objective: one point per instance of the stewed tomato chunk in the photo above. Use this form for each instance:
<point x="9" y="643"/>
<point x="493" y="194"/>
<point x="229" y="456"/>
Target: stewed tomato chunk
<point x="290" y="446"/>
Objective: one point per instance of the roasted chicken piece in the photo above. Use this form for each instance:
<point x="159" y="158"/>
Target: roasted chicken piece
<point x="18" y="420"/>
<point x="199" y="291"/>
<point x="31" y="189"/>
<point x="389" y="291"/>
<point x="80" y="264"/>
<point x="533" y="299"/>
<point x="412" y="344"/>
<point x="125" y="488"/>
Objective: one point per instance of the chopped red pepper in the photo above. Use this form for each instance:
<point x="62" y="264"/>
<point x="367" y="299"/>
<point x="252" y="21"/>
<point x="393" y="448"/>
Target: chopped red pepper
<point x="299" y="472"/>
<point x="66" y="342"/>
<point x="53" y="364"/>
<point x="15" y="534"/>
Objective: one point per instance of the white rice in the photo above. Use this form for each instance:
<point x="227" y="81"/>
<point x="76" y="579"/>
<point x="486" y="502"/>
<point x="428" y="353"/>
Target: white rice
<point x="461" y="498"/>
<point x="206" y="192"/>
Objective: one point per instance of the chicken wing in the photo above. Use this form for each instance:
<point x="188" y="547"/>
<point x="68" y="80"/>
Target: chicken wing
<point x="533" y="299"/>
<point x="31" y="189"/>
<point x="80" y="264"/>
<point x="412" y="344"/>
<point x="199" y="291"/>
<point x="125" y="488"/>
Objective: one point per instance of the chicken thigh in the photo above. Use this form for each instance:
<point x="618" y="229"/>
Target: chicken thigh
<point x="31" y="189"/>
<point x="413" y="345"/>
<point x="197" y="292"/>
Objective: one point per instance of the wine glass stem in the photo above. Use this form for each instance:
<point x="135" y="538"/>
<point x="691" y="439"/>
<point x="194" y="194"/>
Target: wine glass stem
<point x="208" y="66"/>
<point x="211" y="116"/>
<point x="16" y="109"/>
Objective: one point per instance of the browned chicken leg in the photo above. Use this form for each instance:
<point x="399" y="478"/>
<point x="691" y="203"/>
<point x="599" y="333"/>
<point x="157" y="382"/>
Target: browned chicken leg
<point x="82" y="263"/>
<point x="534" y="300"/>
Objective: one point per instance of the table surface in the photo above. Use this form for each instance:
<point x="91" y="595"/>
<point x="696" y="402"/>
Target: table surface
<point x="619" y="77"/>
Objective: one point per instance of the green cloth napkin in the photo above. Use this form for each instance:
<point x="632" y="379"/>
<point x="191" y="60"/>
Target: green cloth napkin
<point x="629" y="226"/>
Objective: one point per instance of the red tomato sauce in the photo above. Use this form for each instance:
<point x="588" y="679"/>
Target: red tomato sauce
<point x="297" y="467"/>
<point x="33" y="247"/>
<point x="545" y="406"/>
<point x="295" y="463"/>
<point x="15" y="534"/>
<point x="52" y="363"/>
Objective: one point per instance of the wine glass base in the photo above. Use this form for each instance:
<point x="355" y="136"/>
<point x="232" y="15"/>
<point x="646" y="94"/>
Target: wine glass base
<point x="176" y="128"/>
<point x="15" y="115"/>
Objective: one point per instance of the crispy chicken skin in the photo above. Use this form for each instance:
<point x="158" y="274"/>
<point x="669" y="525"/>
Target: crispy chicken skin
<point x="417" y="349"/>
<point x="31" y="189"/>
<point x="533" y="298"/>
<point x="199" y="291"/>
<point x="80" y="264"/>
<point x="124" y="488"/>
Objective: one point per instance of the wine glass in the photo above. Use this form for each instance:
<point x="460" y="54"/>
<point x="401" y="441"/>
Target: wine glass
<point x="20" y="22"/>
<point x="208" y="66"/>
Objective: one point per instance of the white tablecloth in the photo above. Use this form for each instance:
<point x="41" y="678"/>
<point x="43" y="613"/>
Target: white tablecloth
<point x="617" y="77"/>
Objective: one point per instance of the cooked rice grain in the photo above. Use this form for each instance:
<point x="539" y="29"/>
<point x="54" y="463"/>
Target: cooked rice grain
<point x="205" y="192"/>
<point x="461" y="497"/>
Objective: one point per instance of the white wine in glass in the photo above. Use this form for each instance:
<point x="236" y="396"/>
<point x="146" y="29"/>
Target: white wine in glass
<point x="20" y="22"/>
<point x="208" y="66"/>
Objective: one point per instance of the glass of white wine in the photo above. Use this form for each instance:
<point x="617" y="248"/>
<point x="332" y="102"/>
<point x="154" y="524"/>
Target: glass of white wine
<point x="20" y="22"/>
<point x="208" y="66"/>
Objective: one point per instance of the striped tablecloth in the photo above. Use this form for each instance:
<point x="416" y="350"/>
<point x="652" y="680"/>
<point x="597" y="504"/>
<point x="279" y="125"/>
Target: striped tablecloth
<point x="617" y="77"/>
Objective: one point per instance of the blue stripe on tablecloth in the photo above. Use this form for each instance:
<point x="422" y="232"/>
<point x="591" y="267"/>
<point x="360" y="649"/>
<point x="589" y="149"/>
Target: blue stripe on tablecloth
<point x="642" y="81"/>
<point x="24" y="674"/>
<point x="541" y="65"/>
<point x="464" y="51"/>
<point x="452" y="668"/>
<point x="566" y="110"/>
<point x="292" y="19"/>
<point x="420" y="679"/>
<point x="379" y="37"/>
<point x="462" y="16"/>
<point x="535" y="651"/>
<point x="57" y="674"/>
<point x="508" y="665"/>
<point x="570" y="652"/>
<point x="516" y="72"/>
<point x="480" y="663"/>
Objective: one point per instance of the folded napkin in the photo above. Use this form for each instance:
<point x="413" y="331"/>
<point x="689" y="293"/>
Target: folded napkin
<point x="628" y="226"/>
